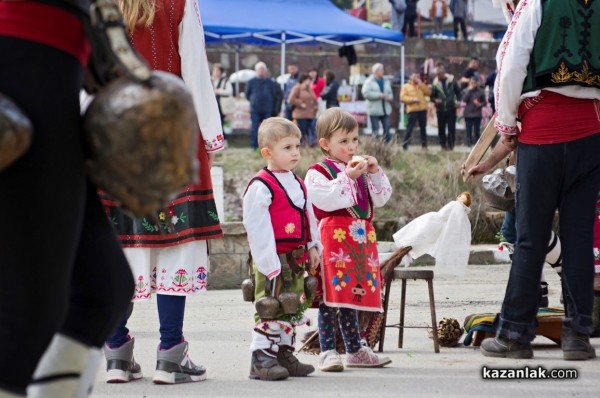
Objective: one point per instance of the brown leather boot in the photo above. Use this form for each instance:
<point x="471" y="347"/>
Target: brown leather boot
<point x="286" y="358"/>
<point x="264" y="366"/>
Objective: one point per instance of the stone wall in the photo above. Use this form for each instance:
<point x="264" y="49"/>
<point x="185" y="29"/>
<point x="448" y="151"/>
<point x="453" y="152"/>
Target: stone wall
<point x="228" y="258"/>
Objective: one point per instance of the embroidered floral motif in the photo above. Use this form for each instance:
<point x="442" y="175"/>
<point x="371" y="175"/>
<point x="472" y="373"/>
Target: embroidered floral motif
<point x="340" y="258"/>
<point x="339" y="235"/>
<point x="180" y="279"/>
<point x="290" y="228"/>
<point x="164" y="223"/>
<point x="372" y="236"/>
<point x="358" y="231"/>
<point x="373" y="261"/>
<point x="340" y="280"/>
<point x="141" y="286"/>
<point x="201" y="275"/>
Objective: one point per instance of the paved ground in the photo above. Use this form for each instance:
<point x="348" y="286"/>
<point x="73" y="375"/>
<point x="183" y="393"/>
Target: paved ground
<point x="218" y="326"/>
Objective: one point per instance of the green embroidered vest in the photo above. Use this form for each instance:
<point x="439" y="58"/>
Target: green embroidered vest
<point x="565" y="56"/>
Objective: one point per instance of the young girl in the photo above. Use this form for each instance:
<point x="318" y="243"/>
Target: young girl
<point x="282" y="230"/>
<point x="344" y="193"/>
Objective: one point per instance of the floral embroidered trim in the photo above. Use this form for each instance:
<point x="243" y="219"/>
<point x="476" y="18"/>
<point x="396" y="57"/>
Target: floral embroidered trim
<point x="504" y="129"/>
<point x="565" y="75"/>
<point x="215" y="144"/>
<point x="503" y="46"/>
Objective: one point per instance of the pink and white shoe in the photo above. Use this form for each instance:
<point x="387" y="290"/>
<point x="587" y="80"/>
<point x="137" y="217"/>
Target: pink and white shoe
<point x="366" y="358"/>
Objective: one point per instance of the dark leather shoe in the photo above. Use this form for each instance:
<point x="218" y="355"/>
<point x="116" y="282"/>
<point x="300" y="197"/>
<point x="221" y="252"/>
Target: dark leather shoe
<point x="264" y="366"/>
<point x="500" y="347"/>
<point x="286" y="359"/>
<point x="576" y="346"/>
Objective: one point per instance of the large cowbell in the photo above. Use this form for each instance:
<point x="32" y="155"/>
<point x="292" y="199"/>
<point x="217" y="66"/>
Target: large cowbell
<point x="142" y="139"/>
<point x="15" y="132"/>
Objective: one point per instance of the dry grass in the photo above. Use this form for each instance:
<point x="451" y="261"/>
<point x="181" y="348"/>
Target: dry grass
<point x="422" y="181"/>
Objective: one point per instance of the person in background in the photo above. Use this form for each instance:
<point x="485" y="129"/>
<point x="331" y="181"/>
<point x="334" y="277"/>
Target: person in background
<point x="490" y="80"/>
<point x="291" y="81"/>
<point x="414" y="94"/>
<point x="474" y="99"/>
<point x="377" y="91"/>
<point x="264" y="95"/>
<point x="397" y="14"/>
<point x="65" y="280"/>
<point x="168" y="253"/>
<point x="558" y="167"/>
<point x="445" y="94"/>
<point x="410" y="15"/>
<point x="460" y="11"/>
<point x="305" y="105"/>
<point x="471" y="71"/>
<point x="438" y="12"/>
<point x="318" y="84"/>
<point x="222" y="86"/>
<point x="330" y="92"/>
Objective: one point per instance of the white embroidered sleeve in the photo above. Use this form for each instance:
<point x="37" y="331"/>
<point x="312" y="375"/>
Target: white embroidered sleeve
<point x="330" y="195"/>
<point x="196" y="75"/>
<point x="380" y="188"/>
<point x="512" y="59"/>
<point x="257" y="221"/>
<point x="315" y="235"/>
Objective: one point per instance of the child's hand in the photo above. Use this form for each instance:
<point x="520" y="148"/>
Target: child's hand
<point x="372" y="164"/>
<point x="355" y="171"/>
<point x="315" y="259"/>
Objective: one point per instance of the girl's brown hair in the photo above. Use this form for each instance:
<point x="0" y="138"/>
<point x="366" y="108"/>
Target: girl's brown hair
<point x="334" y="119"/>
<point x="137" y="12"/>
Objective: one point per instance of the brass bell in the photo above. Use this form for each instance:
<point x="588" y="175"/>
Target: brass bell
<point x="267" y="307"/>
<point x="248" y="290"/>
<point x="289" y="302"/>
<point x="310" y="286"/>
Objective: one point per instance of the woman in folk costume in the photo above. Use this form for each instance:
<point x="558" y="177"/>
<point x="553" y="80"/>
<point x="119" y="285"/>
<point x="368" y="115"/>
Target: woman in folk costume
<point x="344" y="192"/>
<point x="168" y="252"/>
<point x="548" y="70"/>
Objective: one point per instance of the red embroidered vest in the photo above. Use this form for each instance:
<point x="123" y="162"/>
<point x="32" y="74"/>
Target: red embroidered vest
<point x="159" y="43"/>
<point x="362" y="210"/>
<point x="290" y="223"/>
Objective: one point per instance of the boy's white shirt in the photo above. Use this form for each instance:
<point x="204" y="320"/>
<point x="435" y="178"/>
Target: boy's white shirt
<point x="257" y="221"/>
<point x="340" y="193"/>
<point x="195" y="73"/>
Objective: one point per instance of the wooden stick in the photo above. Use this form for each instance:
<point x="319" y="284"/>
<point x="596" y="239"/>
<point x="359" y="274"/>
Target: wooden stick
<point x="480" y="147"/>
<point x="308" y="340"/>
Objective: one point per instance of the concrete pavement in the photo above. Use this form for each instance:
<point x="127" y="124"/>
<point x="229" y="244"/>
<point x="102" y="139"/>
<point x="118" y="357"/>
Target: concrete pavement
<point x="218" y="326"/>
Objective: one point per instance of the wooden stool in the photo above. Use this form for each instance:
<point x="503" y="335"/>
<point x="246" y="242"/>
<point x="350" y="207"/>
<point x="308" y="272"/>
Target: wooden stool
<point x="404" y="274"/>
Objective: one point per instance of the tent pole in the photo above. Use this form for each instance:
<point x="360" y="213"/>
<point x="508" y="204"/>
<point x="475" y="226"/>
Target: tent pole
<point x="282" y="71"/>
<point x="237" y="68"/>
<point x="401" y="118"/>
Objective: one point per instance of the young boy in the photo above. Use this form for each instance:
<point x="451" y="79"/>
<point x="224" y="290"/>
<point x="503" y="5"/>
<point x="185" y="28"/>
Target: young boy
<point x="284" y="243"/>
<point x="344" y="190"/>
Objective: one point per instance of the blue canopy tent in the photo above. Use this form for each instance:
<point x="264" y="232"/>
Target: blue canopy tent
<point x="272" y="22"/>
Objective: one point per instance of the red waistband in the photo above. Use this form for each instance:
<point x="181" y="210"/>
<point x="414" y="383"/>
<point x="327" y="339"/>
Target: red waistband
<point x="46" y="25"/>
<point x="552" y="118"/>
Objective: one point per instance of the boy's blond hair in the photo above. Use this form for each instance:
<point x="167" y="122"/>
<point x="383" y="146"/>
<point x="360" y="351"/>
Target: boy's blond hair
<point x="273" y="129"/>
<point x="334" y="119"/>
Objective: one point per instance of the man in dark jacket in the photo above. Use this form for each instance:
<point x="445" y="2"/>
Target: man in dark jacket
<point x="265" y="98"/>
<point x="445" y="93"/>
<point x="410" y="15"/>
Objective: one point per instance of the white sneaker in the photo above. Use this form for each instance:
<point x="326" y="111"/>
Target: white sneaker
<point x="329" y="361"/>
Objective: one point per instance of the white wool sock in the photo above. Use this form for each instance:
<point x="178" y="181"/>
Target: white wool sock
<point x="60" y="370"/>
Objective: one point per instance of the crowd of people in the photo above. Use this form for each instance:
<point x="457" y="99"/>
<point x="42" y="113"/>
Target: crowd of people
<point x="95" y="266"/>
